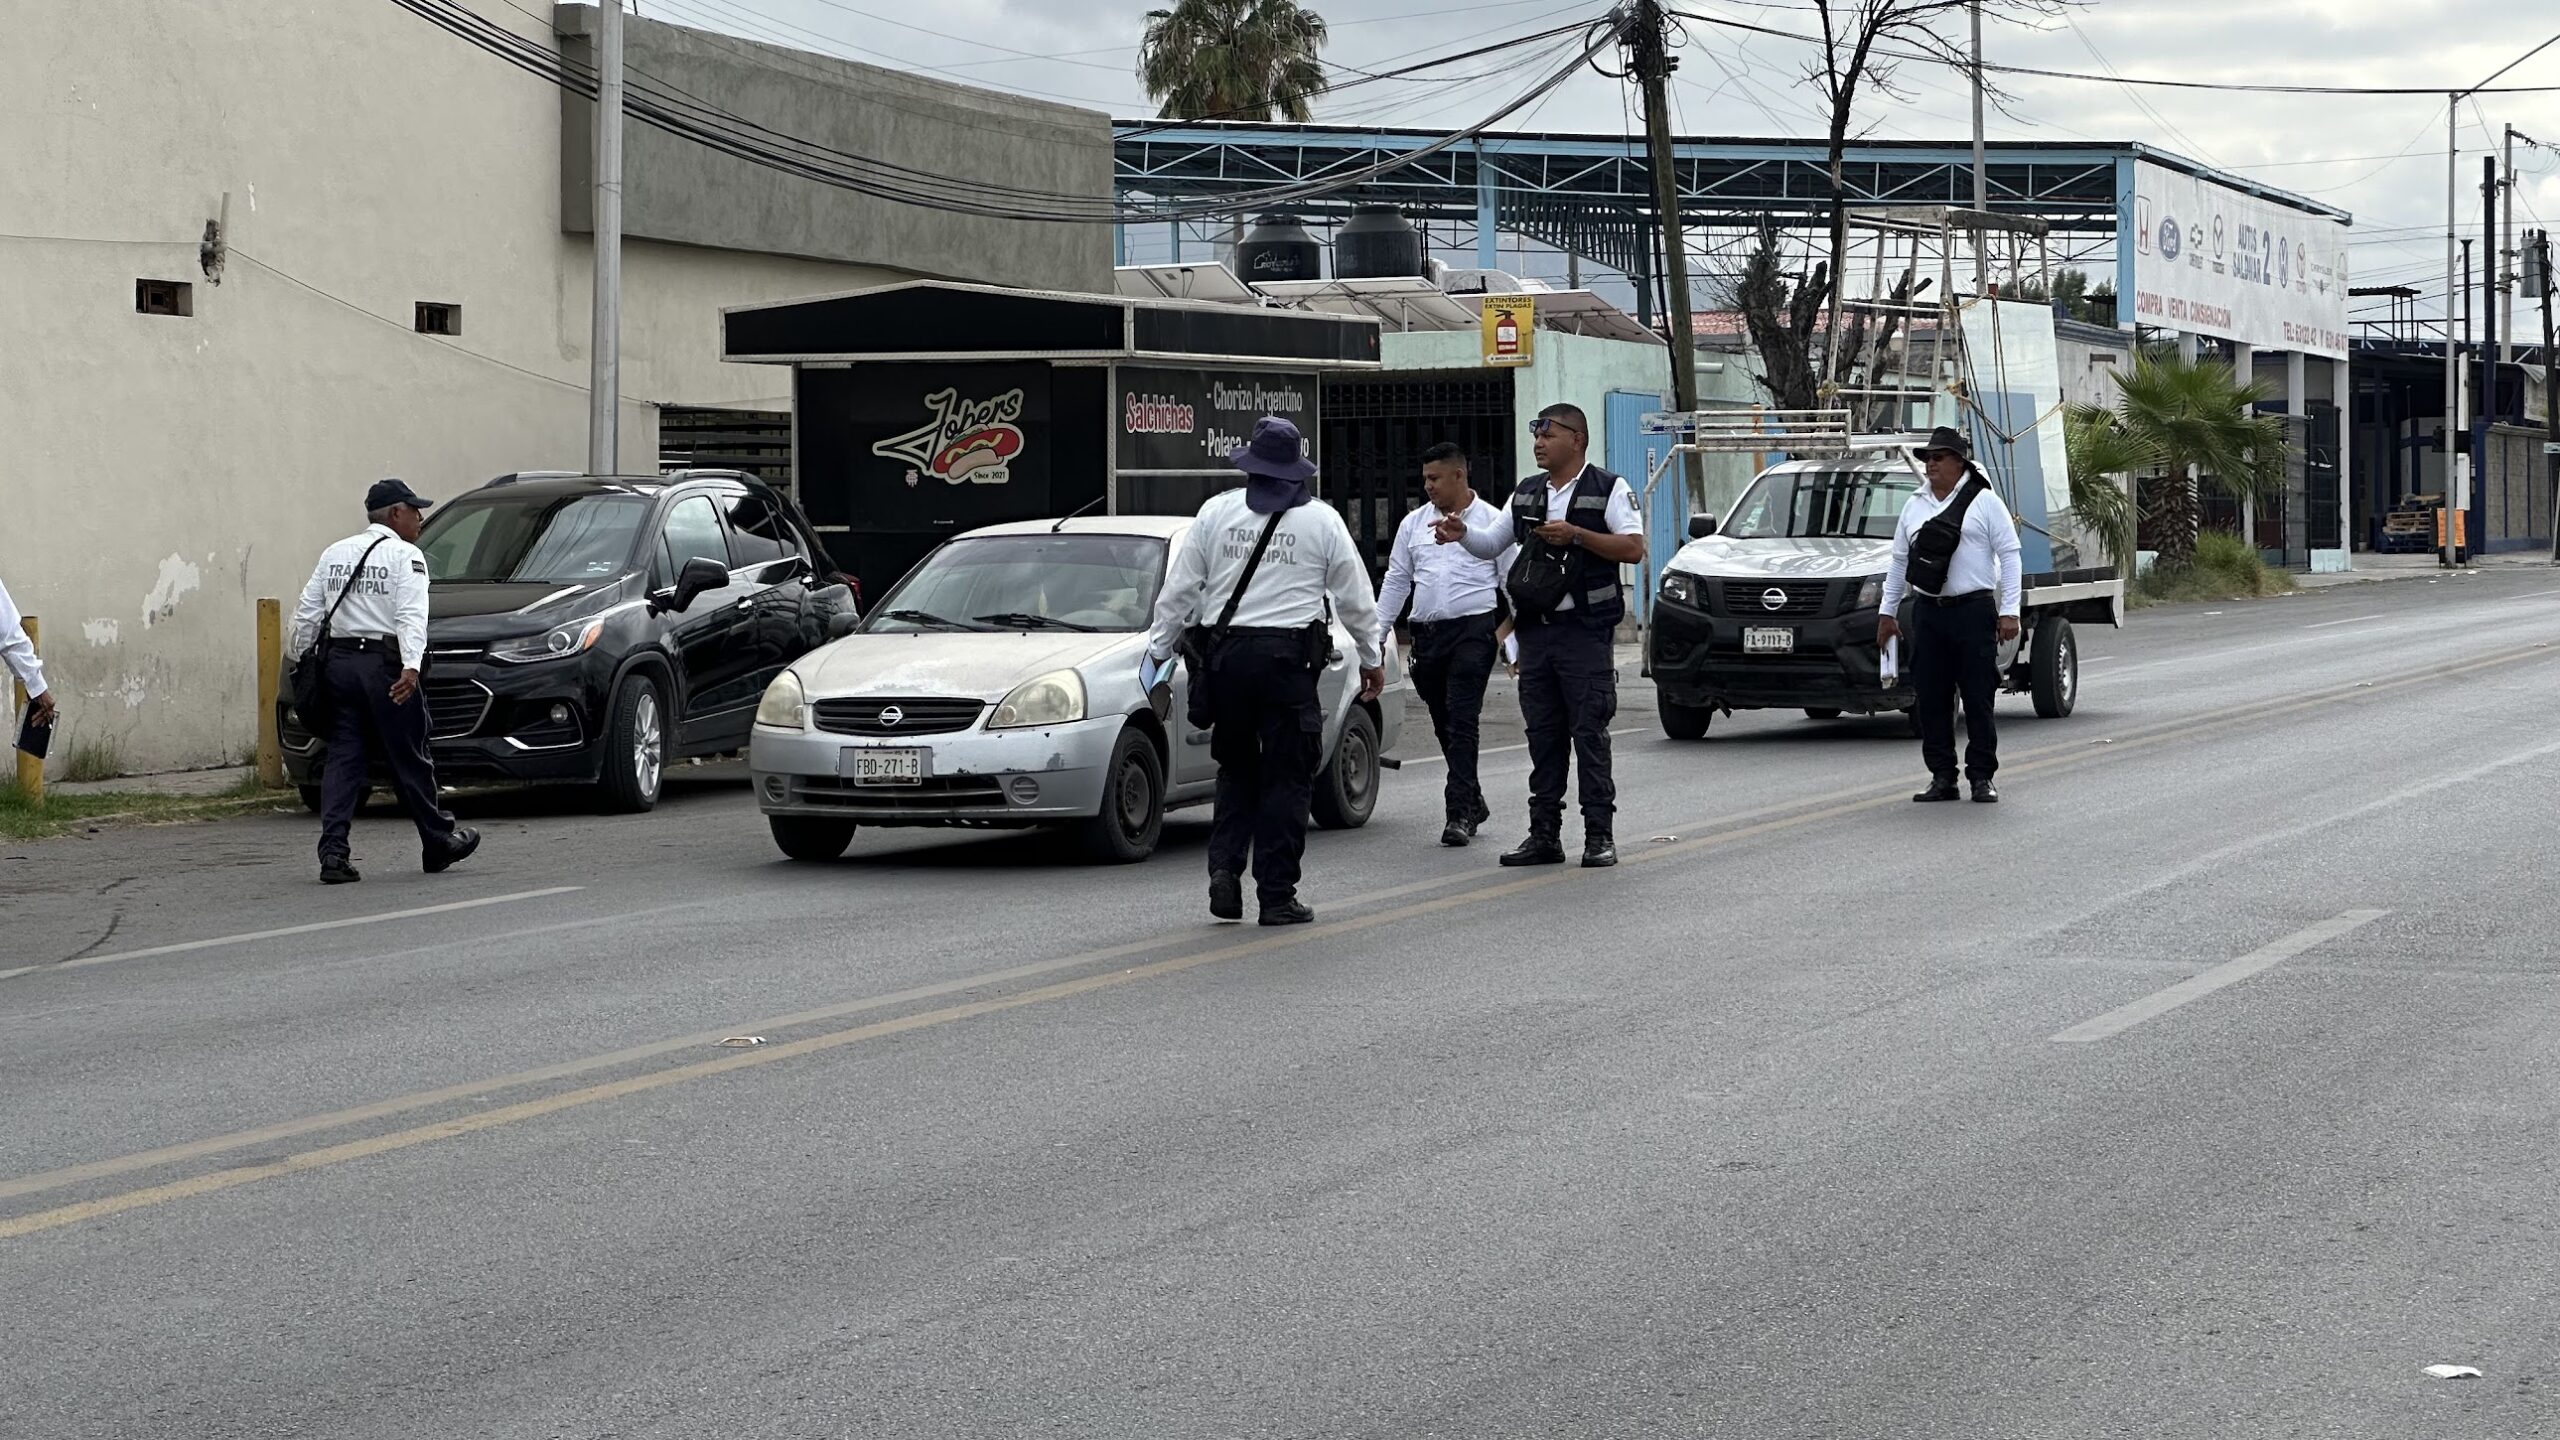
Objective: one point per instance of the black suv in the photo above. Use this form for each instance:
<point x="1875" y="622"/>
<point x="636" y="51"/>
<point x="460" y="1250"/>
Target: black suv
<point x="593" y="628"/>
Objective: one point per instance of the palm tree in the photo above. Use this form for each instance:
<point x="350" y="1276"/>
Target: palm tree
<point x="2182" y="422"/>
<point x="2099" y="449"/>
<point x="1233" y="60"/>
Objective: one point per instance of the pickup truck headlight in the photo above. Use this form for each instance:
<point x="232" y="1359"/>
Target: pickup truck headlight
<point x="560" y="643"/>
<point x="1679" y="589"/>
<point x="1052" y="699"/>
<point x="783" y="699"/>
<point x="1870" y="593"/>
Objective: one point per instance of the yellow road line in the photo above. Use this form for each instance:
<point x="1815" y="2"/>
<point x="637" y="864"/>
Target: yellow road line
<point x="1784" y="817"/>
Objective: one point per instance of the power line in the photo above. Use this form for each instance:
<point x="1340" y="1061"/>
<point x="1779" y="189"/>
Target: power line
<point x="2217" y="85"/>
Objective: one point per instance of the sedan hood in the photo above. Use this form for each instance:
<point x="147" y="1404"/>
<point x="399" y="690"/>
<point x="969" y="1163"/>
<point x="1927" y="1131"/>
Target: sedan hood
<point x="1719" y="557"/>
<point x="972" y="665"/>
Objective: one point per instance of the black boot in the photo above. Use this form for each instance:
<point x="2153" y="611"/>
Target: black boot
<point x="1599" y="845"/>
<point x="1941" y="788"/>
<point x="1226" y="895"/>
<point x="1545" y="845"/>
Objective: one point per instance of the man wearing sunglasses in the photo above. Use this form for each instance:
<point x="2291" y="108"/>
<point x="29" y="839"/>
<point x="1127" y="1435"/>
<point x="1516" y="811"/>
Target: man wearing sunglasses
<point x="1575" y="524"/>
<point x="1955" y="557"/>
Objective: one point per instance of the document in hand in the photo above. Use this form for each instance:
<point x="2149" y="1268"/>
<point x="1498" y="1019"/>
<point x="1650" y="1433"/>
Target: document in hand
<point x="33" y="738"/>
<point x="1889" y="663"/>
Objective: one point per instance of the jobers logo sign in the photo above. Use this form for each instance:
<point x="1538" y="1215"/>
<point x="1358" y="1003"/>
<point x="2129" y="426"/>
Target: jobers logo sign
<point x="967" y="442"/>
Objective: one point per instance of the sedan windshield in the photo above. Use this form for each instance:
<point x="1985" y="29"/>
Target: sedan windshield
<point x="1823" y="504"/>
<point x="551" y="539"/>
<point x="1029" y="582"/>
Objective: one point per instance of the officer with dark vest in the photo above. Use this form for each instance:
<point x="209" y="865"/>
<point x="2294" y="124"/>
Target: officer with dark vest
<point x="1956" y="555"/>
<point x="1575" y="524"/>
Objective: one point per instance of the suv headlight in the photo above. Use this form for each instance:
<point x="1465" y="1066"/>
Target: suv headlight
<point x="1052" y="699"/>
<point x="780" y="707"/>
<point x="1679" y="589"/>
<point x="557" y="644"/>
<point x="1870" y="593"/>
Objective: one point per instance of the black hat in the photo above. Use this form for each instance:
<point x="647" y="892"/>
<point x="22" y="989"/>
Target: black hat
<point x="387" y="493"/>
<point x="1945" y="438"/>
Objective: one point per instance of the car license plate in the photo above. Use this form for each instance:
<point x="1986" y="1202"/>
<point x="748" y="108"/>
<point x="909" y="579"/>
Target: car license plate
<point x="1769" y="640"/>
<point x="864" y="765"/>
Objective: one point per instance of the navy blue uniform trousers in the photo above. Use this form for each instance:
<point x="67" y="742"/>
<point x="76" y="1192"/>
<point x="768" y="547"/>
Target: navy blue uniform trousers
<point x="1265" y="726"/>
<point x="363" y="723"/>
<point x="1568" y="696"/>
<point x="1955" y="649"/>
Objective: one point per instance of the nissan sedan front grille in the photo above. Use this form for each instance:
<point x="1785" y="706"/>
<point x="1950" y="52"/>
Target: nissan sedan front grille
<point x="889" y="717"/>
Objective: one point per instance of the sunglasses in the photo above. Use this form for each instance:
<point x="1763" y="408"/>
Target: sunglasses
<point x="1545" y="426"/>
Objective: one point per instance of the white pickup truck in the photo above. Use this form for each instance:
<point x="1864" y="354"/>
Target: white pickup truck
<point x="1774" y="606"/>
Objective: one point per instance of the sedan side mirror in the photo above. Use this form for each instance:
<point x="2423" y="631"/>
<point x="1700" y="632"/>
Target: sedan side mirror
<point x="1701" y="526"/>
<point x="699" y="577"/>
<point x="841" y="624"/>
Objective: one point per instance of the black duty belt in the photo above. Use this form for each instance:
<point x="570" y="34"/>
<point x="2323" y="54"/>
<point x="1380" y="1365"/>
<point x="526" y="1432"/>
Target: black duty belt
<point x="1946" y="601"/>
<point x="1269" y="632"/>
<point x="1477" y="618"/>
<point x="373" y="643"/>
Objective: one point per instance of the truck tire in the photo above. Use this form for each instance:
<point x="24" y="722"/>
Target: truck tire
<point x="1347" y="788"/>
<point x="1683" y="722"/>
<point x="2055" y="668"/>
<point x="810" y="837"/>
<point x="635" y="748"/>
<point x="1125" y="830"/>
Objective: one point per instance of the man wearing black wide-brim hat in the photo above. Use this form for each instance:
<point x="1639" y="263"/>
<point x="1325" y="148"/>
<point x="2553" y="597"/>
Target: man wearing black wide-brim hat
<point x="1258" y="569"/>
<point x="1955" y="556"/>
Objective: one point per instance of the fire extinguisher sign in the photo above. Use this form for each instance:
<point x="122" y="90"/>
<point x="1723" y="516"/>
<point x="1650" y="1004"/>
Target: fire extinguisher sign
<point x="1510" y="329"/>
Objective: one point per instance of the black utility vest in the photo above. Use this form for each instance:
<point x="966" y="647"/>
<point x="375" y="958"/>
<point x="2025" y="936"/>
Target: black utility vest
<point x="1597" y="597"/>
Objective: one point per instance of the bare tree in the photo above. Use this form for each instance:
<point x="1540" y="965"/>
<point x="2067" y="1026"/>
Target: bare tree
<point x="1864" y="44"/>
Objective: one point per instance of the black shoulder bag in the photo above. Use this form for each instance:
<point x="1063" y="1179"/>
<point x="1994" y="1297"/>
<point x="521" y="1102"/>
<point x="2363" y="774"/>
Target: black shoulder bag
<point x="1933" y="545"/>
<point x="1541" y="575"/>
<point x="309" y="678"/>
<point x="1200" y="642"/>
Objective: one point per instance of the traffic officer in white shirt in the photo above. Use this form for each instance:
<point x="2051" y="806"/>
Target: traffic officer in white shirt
<point x="1262" y="659"/>
<point x="1575" y="524"/>
<point x="19" y="653"/>
<point x="369" y="592"/>
<point x="1955" y="554"/>
<point x="1455" y="614"/>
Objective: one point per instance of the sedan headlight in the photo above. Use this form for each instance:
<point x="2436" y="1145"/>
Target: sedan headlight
<point x="1679" y="589"/>
<point x="780" y="707"/>
<point x="558" y="644"/>
<point x="1052" y="699"/>
<point x="1870" y="593"/>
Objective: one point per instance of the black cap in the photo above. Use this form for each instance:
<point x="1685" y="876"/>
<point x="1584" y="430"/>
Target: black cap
<point x="387" y="493"/>
<point x="1945" y="438"/>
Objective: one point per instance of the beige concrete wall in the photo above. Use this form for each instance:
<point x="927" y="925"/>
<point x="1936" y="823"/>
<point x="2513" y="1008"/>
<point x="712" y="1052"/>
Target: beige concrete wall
<point x="162" y="473"/>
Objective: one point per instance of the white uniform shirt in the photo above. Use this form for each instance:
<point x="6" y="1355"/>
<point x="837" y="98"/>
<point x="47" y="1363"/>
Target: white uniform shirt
<point x="16" y="649"/>
<point x="1445" y="582"/>
<point x="1311" y="557"/>
<point x="1623" y="519"/>
<point x="1986" y="555"/>
<point x="389" y="601"/>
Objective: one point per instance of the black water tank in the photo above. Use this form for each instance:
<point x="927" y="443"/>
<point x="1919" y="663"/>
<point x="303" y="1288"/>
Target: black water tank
<point x="1376" y="243"/>
<point x="1279" y="248"/>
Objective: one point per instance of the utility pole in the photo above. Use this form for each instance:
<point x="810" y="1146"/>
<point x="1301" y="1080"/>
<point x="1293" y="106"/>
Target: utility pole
<point x="604" y="345"/>
<point x="1647" y="38"/>
<point x="2507" y="252"/>
<point x="1981" y="174"/>
<point x="2491" y="282"/>
<point x="2453" y="459"/>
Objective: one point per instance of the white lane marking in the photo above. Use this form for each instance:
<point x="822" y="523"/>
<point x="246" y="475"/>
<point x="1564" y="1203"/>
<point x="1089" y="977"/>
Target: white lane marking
<point x="1506" y="749"/>
<point x="313" y="928"/>
<point x="2534" y="594"/>
<point x="2350" y="620"/>
<point x="2229" y="973"/>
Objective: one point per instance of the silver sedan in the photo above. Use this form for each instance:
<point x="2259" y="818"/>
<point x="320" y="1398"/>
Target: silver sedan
<point x="997" y="686"/>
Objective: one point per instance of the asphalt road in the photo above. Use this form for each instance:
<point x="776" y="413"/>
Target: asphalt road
<point x="2203" y="1088"/>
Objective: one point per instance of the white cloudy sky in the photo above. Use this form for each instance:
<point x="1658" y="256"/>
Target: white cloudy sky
<point x="2382" y="158"/>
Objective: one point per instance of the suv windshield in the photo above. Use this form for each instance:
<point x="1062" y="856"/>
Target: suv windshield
<point x="551" y="539"/>
<point x="1029" y="582"/>
<point x="1823" y="504"/>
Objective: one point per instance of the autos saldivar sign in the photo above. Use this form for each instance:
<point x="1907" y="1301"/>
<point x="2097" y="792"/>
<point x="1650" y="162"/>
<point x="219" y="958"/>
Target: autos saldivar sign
<point x="2212" y="260"/>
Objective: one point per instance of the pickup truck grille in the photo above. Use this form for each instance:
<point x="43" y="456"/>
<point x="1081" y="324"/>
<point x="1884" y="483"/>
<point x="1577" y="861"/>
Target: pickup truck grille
<point x="1746" y="598"/>
<point x="887" y="715"/>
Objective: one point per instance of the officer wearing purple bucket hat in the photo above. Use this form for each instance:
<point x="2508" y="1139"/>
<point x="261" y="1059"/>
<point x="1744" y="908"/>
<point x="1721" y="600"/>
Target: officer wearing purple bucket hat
<point x="1245" y="601"/>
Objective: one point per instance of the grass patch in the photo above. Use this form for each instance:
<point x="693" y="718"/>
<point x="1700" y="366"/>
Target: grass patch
<point x="61" y="814"/>
<point x="2225" y="568"/>
<point x="94" y="760"/>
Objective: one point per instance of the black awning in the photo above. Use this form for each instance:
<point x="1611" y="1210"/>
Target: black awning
<point x="939" y="320"/>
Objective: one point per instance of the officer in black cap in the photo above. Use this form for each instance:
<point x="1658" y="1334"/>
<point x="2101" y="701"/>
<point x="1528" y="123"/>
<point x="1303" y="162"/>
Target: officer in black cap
<point x="366" y="606"/>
